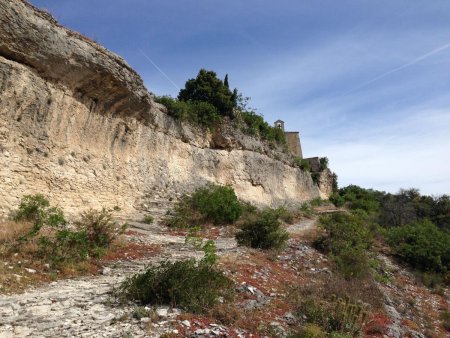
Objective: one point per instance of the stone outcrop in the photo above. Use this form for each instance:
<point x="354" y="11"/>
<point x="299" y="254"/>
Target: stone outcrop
<point x="77" y="124"/>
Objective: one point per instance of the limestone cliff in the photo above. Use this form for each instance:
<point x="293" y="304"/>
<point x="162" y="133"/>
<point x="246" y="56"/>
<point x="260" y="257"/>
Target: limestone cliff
<point x="77" y="124"/>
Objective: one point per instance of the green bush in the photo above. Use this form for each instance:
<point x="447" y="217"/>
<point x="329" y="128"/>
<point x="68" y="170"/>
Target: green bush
<point x="148" y="219"/>
<point x="66" y="246"/>
<point x="212" y="203"/>
<point x="285" y="215"/>
<point x="323" y="163"/>
<point x="201" y="113"/>
<point x="255" y="125"/>
<point x="338" y="317"/>
<point x="306" y="210"/>
<point x="60" y="243"/>
<point x="445" y="317"/>
<point x="192" y="286"/>
<point x="347" y="239"/>
<point x="310" y="331"/>
<point x="263" y="231"/>
<point x="422" y="245"/>
<point x="36" y="209"/>
<point x="183" y="284"/>
<point x="99" y="228"/>
<point x="337" y="199"/>
<point x="359" y="198"/>
<point x="218" y="204"/>
<point x="316" y="177"/>
<point x="302" y="163"/>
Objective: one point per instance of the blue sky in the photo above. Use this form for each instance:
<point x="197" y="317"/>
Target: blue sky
<point x="367" y="83"/>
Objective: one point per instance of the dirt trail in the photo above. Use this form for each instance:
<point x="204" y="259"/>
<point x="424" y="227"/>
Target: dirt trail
<point x="81" y="307"/>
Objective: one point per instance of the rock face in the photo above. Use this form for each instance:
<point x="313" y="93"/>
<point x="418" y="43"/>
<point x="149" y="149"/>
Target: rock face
<point x="77" y="124"/>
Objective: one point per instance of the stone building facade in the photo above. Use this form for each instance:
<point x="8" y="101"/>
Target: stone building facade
<point x="292" y="138"/>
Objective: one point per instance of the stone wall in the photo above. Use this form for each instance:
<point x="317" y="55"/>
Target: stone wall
<point x="84" y="146"/>
<point x="294" y="145"/>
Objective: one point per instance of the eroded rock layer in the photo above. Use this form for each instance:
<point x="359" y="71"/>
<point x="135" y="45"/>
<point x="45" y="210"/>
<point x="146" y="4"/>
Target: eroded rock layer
<point x="77" y="124"/>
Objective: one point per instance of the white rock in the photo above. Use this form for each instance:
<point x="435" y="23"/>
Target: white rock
<point x="30" y="270"/>
<point x="186" y="323"/>
<point x="162" y="312"/>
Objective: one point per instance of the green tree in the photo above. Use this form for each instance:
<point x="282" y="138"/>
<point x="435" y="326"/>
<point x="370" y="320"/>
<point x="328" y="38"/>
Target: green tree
<point x="206" y="87"/>
<point x="225" y="81"/>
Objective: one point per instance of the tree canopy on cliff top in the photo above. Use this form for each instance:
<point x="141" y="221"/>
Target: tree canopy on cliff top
<point x="207" y="87"/>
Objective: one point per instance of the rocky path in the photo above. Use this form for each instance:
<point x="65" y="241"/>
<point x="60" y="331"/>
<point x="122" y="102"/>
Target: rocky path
<point x="82" y="307"/>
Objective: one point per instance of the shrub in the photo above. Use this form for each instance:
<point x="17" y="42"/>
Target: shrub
<point x="445" y="317"/>
<point x="202" y="113"/>
<point x="339" y="316"/>
<point x="317" y="202"/>
<point x="36" y="209"/>
<point x="337" y="199"/>
<point x="302" y="163"/>
<point x="212" y="203"/>
<point x="422" y="245"/>
<point x="99" y="228"/>
<point x="195" y="287"/>
<point x="285" y="215"/>
<point x="255" y="125"/>
<point x="65" y="246"/>
<point x="263" y="231"/>
<point x="148" y="219"/>
<point x="316" y="177"/>
<point x="60" y="243"/>
<point x="306" y="210"/>
<point x="359" y="198"/>
<point x="347" y="239"/>
<point x="218" y="204"/>
<point x="310" y="331"/>
<point x="323" y="163"/>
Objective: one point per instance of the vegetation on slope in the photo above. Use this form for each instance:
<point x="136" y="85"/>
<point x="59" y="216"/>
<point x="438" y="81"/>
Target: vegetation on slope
<point x="206" y="100"/>
<point x="39" y="233"/>
<point x="416" y="227"/>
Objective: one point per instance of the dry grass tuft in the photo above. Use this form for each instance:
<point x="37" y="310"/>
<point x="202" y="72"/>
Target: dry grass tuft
<point x="11" y="231"/>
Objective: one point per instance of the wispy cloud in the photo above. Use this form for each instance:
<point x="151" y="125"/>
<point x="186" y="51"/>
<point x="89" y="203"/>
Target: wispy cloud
<point x="159" y="70"/>
<point x="397" y="69"/>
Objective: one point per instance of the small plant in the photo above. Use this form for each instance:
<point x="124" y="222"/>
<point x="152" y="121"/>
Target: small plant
<point x="148" y="219"/>
<point x="285" y="215"/>
<point x="310" y="331"/>
<point x="302" y="163"/>
<point x="316" y="177"/>
<point x="317" y="202"/>
<point x="336" y="317"/>
<point x="306" y="210"/>
<point x="445" y="317"/>
<point x="36" y="209"/>
<point x="263" y="231"/>
<point x="99" y="228"/>
<point x="323" y="163"/>
<point x="209" y="247"/>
